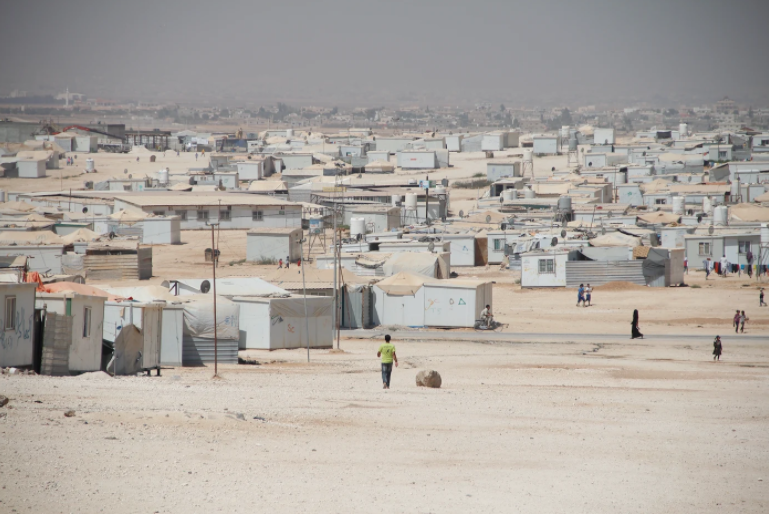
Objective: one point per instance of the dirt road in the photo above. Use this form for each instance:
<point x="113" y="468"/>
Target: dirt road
<point x="614" y="426"/>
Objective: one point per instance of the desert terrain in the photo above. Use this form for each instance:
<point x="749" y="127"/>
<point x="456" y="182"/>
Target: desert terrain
<point x="556" y="425"/>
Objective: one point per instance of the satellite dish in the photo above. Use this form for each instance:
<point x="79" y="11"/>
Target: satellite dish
<point x="699" y="218"/>
<point x="563" y="233"/>
<point x="488" y="219"/>
<point x="603" y="231"/>
<point x="461" y="214"/>
<point x="501" y="200"/>
<point x="130" y="176"/>
<point x="431" y="246"/>
<point x="710" y="229"/>
<point x="554" y="241"/>
<point x="85" y="210"/>
<point x="205" y="286"/>
<point x="125" y="170"/>
<point x="111" y="235"/>
<point x="608" y="214"/>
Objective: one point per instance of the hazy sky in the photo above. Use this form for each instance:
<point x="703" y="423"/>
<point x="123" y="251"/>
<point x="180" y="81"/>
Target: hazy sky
<point x="235" y="52"/>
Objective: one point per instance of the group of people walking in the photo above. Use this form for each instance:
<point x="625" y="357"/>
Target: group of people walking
<point x="584" y="295"/>
<point x="70" y="161"/>
<point x="739" y="321"/>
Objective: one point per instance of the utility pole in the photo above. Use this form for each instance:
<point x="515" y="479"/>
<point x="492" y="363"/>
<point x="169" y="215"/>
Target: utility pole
<point x="304" y="290"/>
<point x="213" y="267"/>
<point x="427" y="199"/>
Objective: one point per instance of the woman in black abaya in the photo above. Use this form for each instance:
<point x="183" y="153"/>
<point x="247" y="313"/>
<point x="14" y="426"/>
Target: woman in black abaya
<point x="635" y="333"/>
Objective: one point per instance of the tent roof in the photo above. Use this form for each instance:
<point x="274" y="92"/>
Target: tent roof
<point x="403" y="283"/>
<point x="749" y="212"/>
<point x="38" y="237"/>
<point x="616" y="239"/>
<point x="660" y="217"/>
<point x="81" y="235"/>
<point x="421" y="263"/>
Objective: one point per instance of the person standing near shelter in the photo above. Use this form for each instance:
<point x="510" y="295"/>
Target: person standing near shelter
<point x="686" y="265"/>
<point x="717" y="348"/>
<point x="387" y="353"/>
<point x="634" y="331"/>
<point x="724" y="265"/>
<point x="736" y="321"/>
<point x="288" y="262"/>
<point x="581" y="295"/>
<point x="761" y="298"/>
<point x="588" y="296"/>
<point x="743" y="319"/>
<point x="280" y="264"/>
<point x="706" y="264"/>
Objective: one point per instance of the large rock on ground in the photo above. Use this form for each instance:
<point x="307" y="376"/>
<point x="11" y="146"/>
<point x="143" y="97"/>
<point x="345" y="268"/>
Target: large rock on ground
<point x="3" y="400"/>
<point x="429" y="378"/>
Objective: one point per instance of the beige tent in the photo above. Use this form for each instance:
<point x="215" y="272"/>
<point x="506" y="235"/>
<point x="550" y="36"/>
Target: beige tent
<point x="749" y="212"/>
<point x="40" y="237"/>
<point x="17" y="206"/>
<point x="403" y="284"/>
<point x="127" y="217"/>
<point x="616" y="239"/>
<point x="659" y="217"/>
<point x="82" y="235"/>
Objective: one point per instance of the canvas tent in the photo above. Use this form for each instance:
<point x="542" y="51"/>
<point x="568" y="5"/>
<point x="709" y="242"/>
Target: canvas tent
<point x="198" y="346"/>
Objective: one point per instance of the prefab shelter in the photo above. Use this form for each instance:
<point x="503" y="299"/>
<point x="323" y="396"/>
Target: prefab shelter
<point x="454" y="142"/>
<point x="377" y="218"/>
<point x="544" y="268"/>
<point x="498" y="170"/>
<point x="87" y="313"/>
<point x="493" y="142"/>
<point x="31" y="168"/>
<point x="413" y="300"/>
<point x="148" y="320"/>
<point x="279" y="323"/>
<point x="546" y="145"/>
<point x="274" y="244"/>
<point x="165" y="230"/>
<point x="417" y="159"/>
<point x="17" y="320"/>
<point x="463" y="248"/>
<point x="603" y="136"/>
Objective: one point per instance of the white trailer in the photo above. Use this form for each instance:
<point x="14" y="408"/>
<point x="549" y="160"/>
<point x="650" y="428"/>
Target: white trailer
<point x="17" y="320"/>
<point x="280" y="323"/>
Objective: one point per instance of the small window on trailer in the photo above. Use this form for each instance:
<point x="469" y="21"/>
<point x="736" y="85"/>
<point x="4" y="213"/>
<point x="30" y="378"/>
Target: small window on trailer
<point x="86" y="322"/>
<point x="704" y="249"/>
<point x="546" y="266"/>
<point x="10" y="313"/>
<point x="202" y="215"/>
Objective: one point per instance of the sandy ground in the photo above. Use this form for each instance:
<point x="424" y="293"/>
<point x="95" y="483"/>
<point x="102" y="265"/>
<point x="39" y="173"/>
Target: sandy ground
<point x="623" y="426"/>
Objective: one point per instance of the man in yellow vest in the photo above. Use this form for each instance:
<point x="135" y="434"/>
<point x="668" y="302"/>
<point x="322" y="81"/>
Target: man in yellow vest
<point x="387" y="353"/>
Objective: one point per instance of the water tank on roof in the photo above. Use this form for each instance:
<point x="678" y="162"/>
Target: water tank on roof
<point x="564" y="203"/>
<point x="163" y="177"/>
<point x="89" y="166"/>
<point x="289" y="132"/>
<point x="528" y="156"/>
<point x="357" y="227"/>
<point x="683" y="130"/>
<point x="396" y="200"/>
<point x="509" y="195"/>
<point x="529" y="193"/>
<point x="411" y="202"/>
<point x="721" y="215"/>
<point x="573" y="143"/>
<point x="707" y="205"/>
<point x="678" y="205"/>
<point x="439" y="190"/>
<point x="565" y="131"/>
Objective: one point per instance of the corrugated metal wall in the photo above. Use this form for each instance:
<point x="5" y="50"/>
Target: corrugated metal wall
<point x="197" y="351"/>
<point x="598" y="273"/>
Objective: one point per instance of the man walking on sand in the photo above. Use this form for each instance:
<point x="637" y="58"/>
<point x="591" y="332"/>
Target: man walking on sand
<point x="387" y="353"/>
<point x="761" y="298"/>
<point x="706" y="264"/>
<point x="724" y="266"/>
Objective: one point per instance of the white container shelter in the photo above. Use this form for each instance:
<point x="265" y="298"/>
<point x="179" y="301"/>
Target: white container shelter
<point x="603" y="136"/>
<point x="462" y="248"/>
<point x="413" y="300"/>
<point x="162" y="231"/>
<point x="417" y="159"/>
<point x="17" y="320"/>
<point x="493" y="142"/>
<point x="274" y="244"/>
<point x="279" y="323"/>
<point x="31" y="168"/>
<point x="544" y="268"/>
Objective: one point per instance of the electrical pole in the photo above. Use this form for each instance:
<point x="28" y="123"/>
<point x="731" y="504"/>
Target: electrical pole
<point x="427" y="199"/>
<point x="304" y="290"/>
<point x="213" y="267"/>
